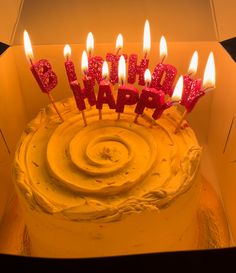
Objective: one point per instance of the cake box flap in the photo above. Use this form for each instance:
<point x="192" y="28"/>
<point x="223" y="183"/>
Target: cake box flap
<point x="224" y="18"/>
<point x="61" y="22"/>
<point x="9" y="15"/>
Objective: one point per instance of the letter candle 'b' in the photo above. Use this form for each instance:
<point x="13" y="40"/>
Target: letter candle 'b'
<point x="42" y="71"/>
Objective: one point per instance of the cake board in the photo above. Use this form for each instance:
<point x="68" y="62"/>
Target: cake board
<point x="212" y="227"/>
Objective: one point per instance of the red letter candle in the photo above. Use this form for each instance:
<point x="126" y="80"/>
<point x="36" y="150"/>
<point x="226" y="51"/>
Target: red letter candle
<point x="196" y="91"/>
<point x="42" y="71"/>
<point x="164" y="74"/>
<point x="69" y="65"/>
<point x="79" y="99"/>
<point x="94" y="62"/>
<point x="133" y="67"/>
<point x="188" y="77"/>
<point x="88" y="90"/>
<point x="104" y="92"/>
<point x="127" y="95"/>
<point x="150" y="97"/>
<point x="175" y="99"/>
<point x="114" y="59"/>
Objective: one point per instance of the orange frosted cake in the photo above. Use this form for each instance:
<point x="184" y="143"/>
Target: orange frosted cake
<point x="109" y="188"/>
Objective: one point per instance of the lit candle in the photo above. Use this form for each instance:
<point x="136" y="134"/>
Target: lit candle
<point x="163" y="49"/>
<point x="69" y="65"/>
<point x="175" y="99"/>
<point x="94" y="62"/>
<point x="150" y="97"/>
<point x="104" y="92"/>
<point x="78" y="93"/>
<point x="88" y="90"/>
<point x="90" y="43"/>
<point x="134" y="68"/>
<point x="164" y="74"/>
<point x="114" y="60"/>
<point x="42" y="71"/>
<point x="188" y="78"/>
<point x="119" y="43"/>
<point x="178" y="91"/>
<point x="209" y="74"/>
<point x="79" y="99"/>
<point x="127" y="94"/>
<point x="81" y="94"/>
<point x="198" y="89"/>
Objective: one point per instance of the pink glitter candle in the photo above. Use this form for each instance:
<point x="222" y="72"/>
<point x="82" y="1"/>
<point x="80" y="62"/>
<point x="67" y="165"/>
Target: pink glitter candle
<point x="104" y="92"/>
<point x="164" y="74"/>
<point x="95" y="68"/>
<point x="69" y="65"/>
<point x="135" y="69"/>
<point x="127" y="95"/>
<point x="44" y="75"/>
<point x="150" y="97"/>
<point x="113" y="58"/>
<point x="42" y="71"/>
<point x="88" y="90"/>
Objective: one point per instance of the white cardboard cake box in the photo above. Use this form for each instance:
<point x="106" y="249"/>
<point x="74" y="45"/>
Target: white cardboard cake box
<point x="187" y="26"/>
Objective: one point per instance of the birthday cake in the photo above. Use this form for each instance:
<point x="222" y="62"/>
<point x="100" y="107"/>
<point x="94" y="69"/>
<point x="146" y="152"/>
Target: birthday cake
<point x="113" y="170"/>
<point x="109" y="188"/>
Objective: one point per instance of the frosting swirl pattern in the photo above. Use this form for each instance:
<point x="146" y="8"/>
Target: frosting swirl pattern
<point x="107" y="169"/>
<point x="105" y="157"/>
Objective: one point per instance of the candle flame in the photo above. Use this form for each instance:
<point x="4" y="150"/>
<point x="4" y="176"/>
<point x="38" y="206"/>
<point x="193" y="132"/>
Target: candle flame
<point x="146" y="38"/>
<point x="163" y="48"/>
<point x="177" y="94"/>
<point x="90" y="43"/>
<point x="105" y="70"/>
<point x="192" y="69"/>
<point x="28" y="48"/>
<point x="122" y="69"/>
<point x="84" y="62"/>
<point x="67" y="51"/>
<point x="119" y="41"/>
<point x="147" y="76"/>
<point x="209" y="73"/>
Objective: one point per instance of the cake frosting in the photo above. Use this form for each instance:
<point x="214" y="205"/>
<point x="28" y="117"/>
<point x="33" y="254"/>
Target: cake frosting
<point x="109" y="188"/>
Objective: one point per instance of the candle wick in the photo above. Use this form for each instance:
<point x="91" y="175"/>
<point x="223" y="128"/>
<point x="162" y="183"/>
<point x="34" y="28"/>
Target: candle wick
<point x="163" y="59"/>
<point x="145" y="55"/>
<point x="207" y="89"/>
<point x="85" y="73"/>
<point x="31" y="62"/>
<point x="190" y="73"/>
<point x="117" y="51"/>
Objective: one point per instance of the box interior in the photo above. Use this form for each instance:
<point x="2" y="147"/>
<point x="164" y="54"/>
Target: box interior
<point x="213" y="119"/>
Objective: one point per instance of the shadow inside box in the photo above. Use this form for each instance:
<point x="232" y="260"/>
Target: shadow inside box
<point x="186" y="261"/>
